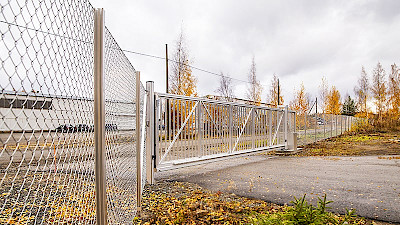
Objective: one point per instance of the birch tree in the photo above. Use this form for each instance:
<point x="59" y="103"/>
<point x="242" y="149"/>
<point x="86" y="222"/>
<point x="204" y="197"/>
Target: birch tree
<point x="394" y="93"/>
<point x="334" y="105"/>
<point x="300" y="104"/>
<point x="254" y="89"/>
<point x="274" y="91"/>
<point x="362" y="91"/>
<point x="182" y="80"/>
<point x="379" y="90"/>
<point x="323" y="94"/>
<point x="225" y="88"/>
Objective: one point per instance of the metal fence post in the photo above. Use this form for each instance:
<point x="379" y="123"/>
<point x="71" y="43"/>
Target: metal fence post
<point x="341" y="124"/>
<point x="99" y="118"/>
<point x="324" y="121"/>
<point x="295" y="122"/>
<point x="305" y="128"/>
<point x="157" y="127"/>
<point x="150" y="133"/>
<point x="315" y="127"/>
<point x="138" y="153"/>
<point x="336" y="125"/>
<point x="285" y="127"/>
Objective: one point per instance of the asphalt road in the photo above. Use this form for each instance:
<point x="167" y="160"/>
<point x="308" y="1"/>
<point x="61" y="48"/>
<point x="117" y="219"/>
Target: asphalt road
<point x="368" y="184"/>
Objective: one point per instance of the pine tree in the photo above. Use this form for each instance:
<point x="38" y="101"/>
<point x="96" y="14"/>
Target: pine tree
<point x="349" y="107"/>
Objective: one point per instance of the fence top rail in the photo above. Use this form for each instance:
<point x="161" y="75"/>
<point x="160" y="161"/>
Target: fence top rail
<point x="190" y="98"/>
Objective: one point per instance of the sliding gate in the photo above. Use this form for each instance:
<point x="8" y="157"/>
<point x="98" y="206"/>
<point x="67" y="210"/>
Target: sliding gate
<point x="188" y="130"/>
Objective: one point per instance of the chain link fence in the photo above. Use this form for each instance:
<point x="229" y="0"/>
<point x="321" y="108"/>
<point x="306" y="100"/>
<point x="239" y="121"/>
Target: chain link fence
<point x="313" y="127"/>
<point x="47" y="171"/>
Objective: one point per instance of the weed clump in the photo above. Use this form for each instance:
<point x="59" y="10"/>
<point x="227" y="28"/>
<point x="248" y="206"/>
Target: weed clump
<point x="305" y="213"/>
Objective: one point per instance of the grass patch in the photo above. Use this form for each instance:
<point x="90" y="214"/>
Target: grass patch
<point x="304" y="213"/>
<point x="356" y="144"/>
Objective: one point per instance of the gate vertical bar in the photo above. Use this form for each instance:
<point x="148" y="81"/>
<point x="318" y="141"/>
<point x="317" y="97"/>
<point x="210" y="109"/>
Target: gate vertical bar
<point x="230" y="125"/>
<point x="199" y="131"/>
<point x="138" y="153"/>
<point x="157" y="152"/>
<point x="253" y="129"/>
<point x="270" y="127"/>
<point x="150" y="153"/>
<point x="99" y="118"/>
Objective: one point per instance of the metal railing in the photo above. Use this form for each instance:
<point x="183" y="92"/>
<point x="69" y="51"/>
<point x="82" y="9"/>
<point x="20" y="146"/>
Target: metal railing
<point x="189" y="130"/>
<point x="49" y="51"/>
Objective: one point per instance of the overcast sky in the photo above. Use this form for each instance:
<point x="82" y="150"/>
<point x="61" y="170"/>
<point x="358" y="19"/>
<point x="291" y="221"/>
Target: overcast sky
<point x="300" y="41"/>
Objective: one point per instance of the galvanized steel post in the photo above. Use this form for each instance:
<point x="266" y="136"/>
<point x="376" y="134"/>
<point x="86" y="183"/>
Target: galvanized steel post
<point x="150" y="153"/>
<point x="285" y="127"/>
<point x="99" y="118"/>
<point x="138" y="153"/>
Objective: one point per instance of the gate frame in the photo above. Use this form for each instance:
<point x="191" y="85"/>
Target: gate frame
<point x="152" y="123"/>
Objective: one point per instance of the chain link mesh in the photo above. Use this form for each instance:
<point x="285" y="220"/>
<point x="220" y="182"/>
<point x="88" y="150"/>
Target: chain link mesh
<point x="313" y="127"/>
<point x="120" y="108"/>
<point x="46" y="110"/>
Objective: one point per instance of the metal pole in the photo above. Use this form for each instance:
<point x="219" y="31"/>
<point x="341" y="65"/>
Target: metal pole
<point x="324" y="121"/>
<point x="316" y="120"/>
<point x="278" y="95"/>
<point x="341" y="124"/>
<point x="336" y="125"/>
<point x="99" y="118"/>
<point x="166" y="90"/>
<point x="305" y="128"/>
<point x="285" y="127"/>
<point x="150" y="154"/>
<point x="138" y="153"/>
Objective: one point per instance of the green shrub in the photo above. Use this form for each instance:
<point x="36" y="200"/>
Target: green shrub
<point x="303" y="213"/>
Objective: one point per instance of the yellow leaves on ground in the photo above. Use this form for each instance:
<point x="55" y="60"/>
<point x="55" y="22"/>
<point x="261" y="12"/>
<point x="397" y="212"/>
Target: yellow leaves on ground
<point x="177" y="203"/>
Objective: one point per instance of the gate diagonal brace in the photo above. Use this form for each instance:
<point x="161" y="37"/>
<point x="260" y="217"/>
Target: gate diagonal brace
<point x="277" y="128"/>
<point x="179" y="132"/>
<point x="241" y="131"/>
<point x="209" y="115"/>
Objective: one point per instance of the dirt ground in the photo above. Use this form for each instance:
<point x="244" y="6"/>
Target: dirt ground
<point x="352" y="144"/>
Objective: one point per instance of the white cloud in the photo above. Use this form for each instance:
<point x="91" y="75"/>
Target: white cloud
<point x="298" y="40"/>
